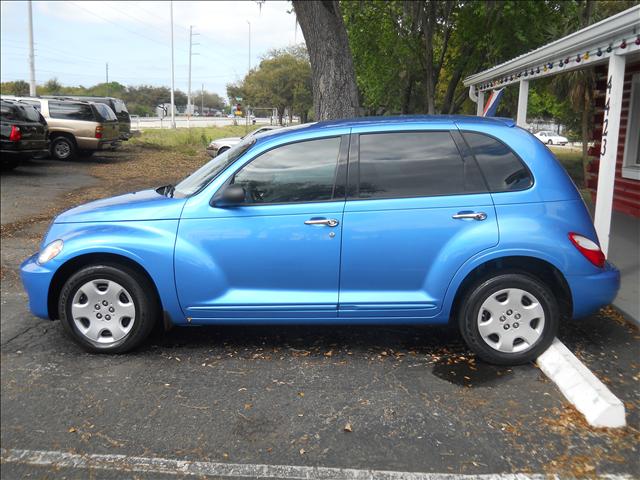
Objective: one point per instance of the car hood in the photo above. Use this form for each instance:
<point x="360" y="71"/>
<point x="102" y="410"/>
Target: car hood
<point x="143" y="205"/>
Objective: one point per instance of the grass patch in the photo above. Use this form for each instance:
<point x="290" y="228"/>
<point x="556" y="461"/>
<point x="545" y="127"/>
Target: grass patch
<point x="571" y="160"/>
<point x="186" y="140"/>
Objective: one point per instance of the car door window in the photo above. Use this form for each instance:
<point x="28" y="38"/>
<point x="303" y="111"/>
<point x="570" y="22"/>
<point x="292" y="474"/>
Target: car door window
<point x="71" y="111"/>
<point x="415" y="164"/>
<point x="294" y="173"/>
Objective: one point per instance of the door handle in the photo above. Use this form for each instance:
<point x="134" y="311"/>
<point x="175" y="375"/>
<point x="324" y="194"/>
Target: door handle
<point x="472" y="215"/>
<point x="329" y="222"/>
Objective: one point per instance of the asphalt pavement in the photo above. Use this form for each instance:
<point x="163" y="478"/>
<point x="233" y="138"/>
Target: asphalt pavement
<point x="406" y="399"/>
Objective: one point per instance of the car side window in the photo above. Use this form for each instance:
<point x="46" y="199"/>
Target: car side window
<point x="415" y="164"/>
<point x="34" y="103"/>
<point x="71" y="111"/>
<point x="8" y="112"/>
<point x="294" y="173"/>
<point x="501" y="167"/>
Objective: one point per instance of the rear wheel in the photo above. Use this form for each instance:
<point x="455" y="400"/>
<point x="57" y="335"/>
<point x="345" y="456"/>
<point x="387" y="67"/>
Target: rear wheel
<point x="509" y="319"/>
<point x="549" y="142"/>
<point x="108" y="308"/>
<point x="63" y="148"/>
<point x="222" y="150"/>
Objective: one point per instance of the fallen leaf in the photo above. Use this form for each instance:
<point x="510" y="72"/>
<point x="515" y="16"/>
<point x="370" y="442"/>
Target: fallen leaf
<point x="329" y="353"/>
<point x="71" y="430"/>
<point x="348" y="428"/>
<point x="301" y="394"/>
<point x="247" y="406"/>
<point x="302" y="451"/>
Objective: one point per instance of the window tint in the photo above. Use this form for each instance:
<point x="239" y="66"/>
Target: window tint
<point x="71" y="111"/>
<point x="34" y="103"/>
<point x="105" y="113"/>
<point x="415" y="164"/>
<point x="502" y="169"/>
<point x="299" y="172"/>
<point x="8" y="112"/>
<point x="31" y="114"/>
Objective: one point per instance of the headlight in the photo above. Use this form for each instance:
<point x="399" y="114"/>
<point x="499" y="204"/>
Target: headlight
<point x="50" y="252"/>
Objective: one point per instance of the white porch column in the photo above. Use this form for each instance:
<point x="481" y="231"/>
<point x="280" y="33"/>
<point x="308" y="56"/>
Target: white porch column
<point x="480" y="104"/>
<point x="523" y="99"/>
<point x="609" y="149"/>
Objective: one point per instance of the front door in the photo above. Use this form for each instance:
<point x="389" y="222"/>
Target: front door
<point x="276" y="256"/>
<point x="420" y="209"/>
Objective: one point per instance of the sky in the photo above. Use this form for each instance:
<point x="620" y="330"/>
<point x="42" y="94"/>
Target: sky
<point x="75" y="39"/>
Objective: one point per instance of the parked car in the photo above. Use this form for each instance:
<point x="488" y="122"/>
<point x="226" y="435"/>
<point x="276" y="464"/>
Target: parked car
<point x="117" y="105"/>
<point x="408" y="220"/>
<point x="221" y="145"/>
<point x="550" y="138"/>
<point x="23" y="133"/>
<point x="77" y="128"/>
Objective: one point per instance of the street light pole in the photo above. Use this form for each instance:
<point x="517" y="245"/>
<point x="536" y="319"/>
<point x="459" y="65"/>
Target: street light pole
<point x="32" y="59"/>
<point x="173" y="113"/>
<point x="249" y="45"/>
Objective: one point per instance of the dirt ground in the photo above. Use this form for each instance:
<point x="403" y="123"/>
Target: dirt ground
<point x="415" y="398"/>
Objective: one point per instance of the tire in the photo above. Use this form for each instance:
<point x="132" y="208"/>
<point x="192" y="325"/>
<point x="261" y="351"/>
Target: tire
<point x="105" y="329"/>
<point x="222" y="150"/>
<point x="63" y="148"/>
<point x="549" y="142"/>
<point x="519" y="308"/>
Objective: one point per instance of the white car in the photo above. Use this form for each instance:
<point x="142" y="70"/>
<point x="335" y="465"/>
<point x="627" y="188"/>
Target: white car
<point x="216" y="147"/>
<point x="550" y="138"/>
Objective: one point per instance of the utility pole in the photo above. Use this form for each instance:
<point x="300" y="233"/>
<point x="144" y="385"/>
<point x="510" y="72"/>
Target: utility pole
<point x="173" y="113"/>
<point x="32" y="57"/>
<point x="191" y="34"/>
<point x="107" y="83"/>
<point x="249" y="45"/>
<point x="202" y="101"/>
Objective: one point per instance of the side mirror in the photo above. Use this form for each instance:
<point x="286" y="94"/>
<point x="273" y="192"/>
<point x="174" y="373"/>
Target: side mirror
<point x="232" y="195"/>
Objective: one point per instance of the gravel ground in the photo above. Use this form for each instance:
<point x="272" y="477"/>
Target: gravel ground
<point x="414" y="398"/>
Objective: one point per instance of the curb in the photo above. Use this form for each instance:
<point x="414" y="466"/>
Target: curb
<point x="581" y="387"/>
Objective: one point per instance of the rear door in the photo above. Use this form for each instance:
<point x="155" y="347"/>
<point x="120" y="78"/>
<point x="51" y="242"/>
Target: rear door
<point x="33" y="128"/>
<point x="417" y="209"/>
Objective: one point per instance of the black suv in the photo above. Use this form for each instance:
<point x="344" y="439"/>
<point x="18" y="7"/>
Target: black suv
<point x="23" y="133"/>
<point x="117" y="105"/>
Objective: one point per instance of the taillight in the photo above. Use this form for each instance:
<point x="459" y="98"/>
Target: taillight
<point x="588" y="248"/>
<point x="16" y="134"/>
<point x="99" y="131"/>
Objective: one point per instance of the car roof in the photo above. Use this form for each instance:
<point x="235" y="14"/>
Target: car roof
<point x="451" y="121"/>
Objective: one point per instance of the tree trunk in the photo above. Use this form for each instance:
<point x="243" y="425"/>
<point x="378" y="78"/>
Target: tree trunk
<point x="335" y="93"/>
<point x="430" y="73"/>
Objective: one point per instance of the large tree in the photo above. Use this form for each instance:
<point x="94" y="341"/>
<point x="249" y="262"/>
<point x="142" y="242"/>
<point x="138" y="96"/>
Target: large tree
<point x="335" y="93"/>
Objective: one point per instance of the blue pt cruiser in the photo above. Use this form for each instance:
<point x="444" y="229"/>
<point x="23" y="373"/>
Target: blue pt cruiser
<point x="405" y="220"/>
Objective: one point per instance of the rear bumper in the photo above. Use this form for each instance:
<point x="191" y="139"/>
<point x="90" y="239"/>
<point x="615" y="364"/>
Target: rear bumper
<point x="109" y="144"/>
<point x="36" y="280"/>
<point x="23" y="154"/>
<point x="591" y="292"/>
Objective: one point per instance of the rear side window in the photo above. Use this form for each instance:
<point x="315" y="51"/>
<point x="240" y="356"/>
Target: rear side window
<point x="8" y="112"/>
<point x="294" y="173"/>
<point x="71" y="111"/>
<point x="502" y="169"/>
<point x="34" y="103"/>
<point x="31" y="114"/>
<point x="105" y="112"/>
<point x="415" y="164"/>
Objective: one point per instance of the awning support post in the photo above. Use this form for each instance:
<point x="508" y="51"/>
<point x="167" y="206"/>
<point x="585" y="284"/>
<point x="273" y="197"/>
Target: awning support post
<point x="609" y="149"/>
<point x="523" y="99"/>
<point x="480" y="104"/>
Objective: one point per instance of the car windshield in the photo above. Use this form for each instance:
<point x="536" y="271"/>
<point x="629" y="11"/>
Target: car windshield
<point x="201" y="177"/>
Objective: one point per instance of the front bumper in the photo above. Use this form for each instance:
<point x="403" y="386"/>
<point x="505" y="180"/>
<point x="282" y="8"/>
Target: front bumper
<point x="36" y="279"/>
<point x="591" y="292"/>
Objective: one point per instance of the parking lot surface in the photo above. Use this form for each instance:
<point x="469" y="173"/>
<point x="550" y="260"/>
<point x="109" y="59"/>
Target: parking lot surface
<point x="405" y="399"/>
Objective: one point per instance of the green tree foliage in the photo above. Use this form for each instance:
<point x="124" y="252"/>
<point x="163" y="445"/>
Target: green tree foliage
<point x="411" y="57"/>
<point x="282" y="81"/>
<point x="19" y="87"/>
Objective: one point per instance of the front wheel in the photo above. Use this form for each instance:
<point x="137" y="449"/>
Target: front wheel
<point x="509" y="319"/>
<point x="108" y="308"/>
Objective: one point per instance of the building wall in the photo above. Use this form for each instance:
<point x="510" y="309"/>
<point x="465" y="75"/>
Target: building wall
<point x="626" y="196"/>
